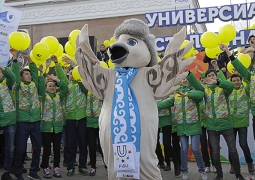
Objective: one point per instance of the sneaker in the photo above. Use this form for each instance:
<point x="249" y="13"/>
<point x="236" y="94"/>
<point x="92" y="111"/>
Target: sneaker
<point x="46" y="173"/>
<point x="92" y="172"/>
<point x="167" y="168"/>
<point x="19" y="177"/>
<point x="214" y="169"/>
<point x="239" y="177"/>
<point x="70" y="172"/>
<point x="6" y="176"/>
<point x="83" y="171"/>
<point x="231" y="171"/>
<point x="203" y="176"/>
<point x="33" y="176"/>
<point x="218" y="177"/>
<point x="185" y="176"/>
<point x="207" y="169"/>
<point x="56" y="172"/>
<point x="27" y="158"/>
<point x="250" y="167"/>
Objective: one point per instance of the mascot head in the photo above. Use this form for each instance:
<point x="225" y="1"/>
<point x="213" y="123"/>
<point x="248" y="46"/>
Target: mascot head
<point x="134" y="46"/>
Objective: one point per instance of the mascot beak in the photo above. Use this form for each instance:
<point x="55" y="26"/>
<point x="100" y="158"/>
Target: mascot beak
<point x="119" y="52"/>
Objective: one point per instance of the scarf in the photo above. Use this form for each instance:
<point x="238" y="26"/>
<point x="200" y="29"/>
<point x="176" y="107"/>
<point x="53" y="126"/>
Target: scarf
<point x="125" y="126"/>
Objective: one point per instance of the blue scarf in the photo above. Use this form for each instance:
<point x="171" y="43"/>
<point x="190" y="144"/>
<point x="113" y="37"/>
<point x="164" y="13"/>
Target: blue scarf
<point x="125" y="125"/>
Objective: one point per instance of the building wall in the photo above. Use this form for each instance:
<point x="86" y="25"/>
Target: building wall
<point x="102" y="29"/>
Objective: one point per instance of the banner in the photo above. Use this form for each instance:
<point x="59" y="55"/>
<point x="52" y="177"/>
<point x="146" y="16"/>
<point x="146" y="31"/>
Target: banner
<point x="201" y="15"/>
<point x="9" y="22"/>
<point x="239" y="41"/>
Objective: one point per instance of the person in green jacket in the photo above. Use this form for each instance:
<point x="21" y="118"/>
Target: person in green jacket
<point x="93" y="109"/>
<point x="218" y="118"/>
<point x="75" y="121"/>
<point x="165" y="123"/>
<point x="52" y="124"/>
<point x="186" y="110"/>
<point x="27" y="91"/>
<point x="7" y="118"/>
<point x="240" y="100"/>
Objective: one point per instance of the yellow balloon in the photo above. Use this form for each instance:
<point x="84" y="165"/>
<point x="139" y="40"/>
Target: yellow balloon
<point x="69" y="49"/>
<point x="52" y="64"/>
<point x="209" y="40"/>
<point x="110" y="64"/>
<point x="213" y="52"/>
<point x="106" y="43"/>
<point x="190" y="53"/>
<point x="230" y="67"/>
<point x="227" y="33"/>
<point x="103" y="64"/>
<point x="72" y="37"/>
<point x="112" y="40"/>
<point x="245" y="59"/>
<point x="41" y="51"/>
<point x="52" y="42"/>
<point x="27" y="41"/>
<point x="36" y="61"/>
<point x="60" y="50"/>
<point x="16" y="40"/>
<point x="185" y="43"/>
<point x="253" y="26"/>
<point x="76" y="75"/>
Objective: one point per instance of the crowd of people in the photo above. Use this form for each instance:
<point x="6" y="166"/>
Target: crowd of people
<point x="44" y="107"/>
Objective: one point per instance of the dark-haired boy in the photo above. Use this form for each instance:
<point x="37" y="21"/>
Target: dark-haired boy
<point x="27" y="92"/>
<point x="218" y="118"/>
<point x="239" y="110"/>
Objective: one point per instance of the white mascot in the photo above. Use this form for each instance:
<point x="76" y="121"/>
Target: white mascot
<point x="128" y="121"/>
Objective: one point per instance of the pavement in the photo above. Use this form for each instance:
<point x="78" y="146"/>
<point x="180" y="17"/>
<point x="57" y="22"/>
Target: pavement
<point x="101" y="173"/>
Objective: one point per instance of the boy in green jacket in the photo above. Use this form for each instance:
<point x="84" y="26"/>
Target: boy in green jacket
<point x="218" y="118"/>
<point x="7" y="118"/>
<point x="28" y="89"/>
<point x="75" y="121"/>
<point x="240" y="104"/>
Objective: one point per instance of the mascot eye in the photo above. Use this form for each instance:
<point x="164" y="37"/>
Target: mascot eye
<point x="132" y="42"/>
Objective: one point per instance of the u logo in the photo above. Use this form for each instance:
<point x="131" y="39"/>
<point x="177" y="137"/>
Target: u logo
<point x="123" y="152"/>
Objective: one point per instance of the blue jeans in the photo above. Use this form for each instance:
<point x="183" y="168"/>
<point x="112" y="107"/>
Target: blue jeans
<point x="195" y="141"/>
<point x="76" y="132"/>
<point x="24" y="130"/>
<point x="9" y="138"/>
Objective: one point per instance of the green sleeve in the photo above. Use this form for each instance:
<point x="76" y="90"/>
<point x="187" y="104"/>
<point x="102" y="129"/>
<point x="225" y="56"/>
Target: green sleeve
<point x="63" y="89"/>
<point x="167" y="103"/>
<point x="221" y="75"/>
<point x="41" y="86"/>
<point x="247" y="89"/>
<point x="227" y="86"/>
<point x="196" y="95"/>
<point x="16" y="71"/>
<point x="83" y="89"/>
<point x="34" y="73"/>
<point x="61" y="74"/>
<point x="241" y="69"/>
<point x="194" y="82"/>
<point x="10" y="77"/>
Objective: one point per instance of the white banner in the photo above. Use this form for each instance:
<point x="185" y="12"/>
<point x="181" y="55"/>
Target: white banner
<point x="181" y="2"/>
<point x="9" y="22"/>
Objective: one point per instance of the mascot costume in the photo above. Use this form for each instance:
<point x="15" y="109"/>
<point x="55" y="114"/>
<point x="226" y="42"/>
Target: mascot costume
<point x="128" y="121"/>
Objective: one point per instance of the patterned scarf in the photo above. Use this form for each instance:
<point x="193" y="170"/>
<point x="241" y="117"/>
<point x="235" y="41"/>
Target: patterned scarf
<point x="125" y="126"/>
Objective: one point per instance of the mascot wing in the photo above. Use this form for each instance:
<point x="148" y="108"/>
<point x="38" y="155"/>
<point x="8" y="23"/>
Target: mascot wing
<point x="165" y="75"/>
<point x="94" y="76"/>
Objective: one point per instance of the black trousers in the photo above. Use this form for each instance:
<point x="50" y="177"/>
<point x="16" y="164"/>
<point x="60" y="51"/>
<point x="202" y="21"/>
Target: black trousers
<point x="176" y="146"/>
<point x="204" y="146"/>
<point x="47" y="138"/>
<point x="93" y="138"/>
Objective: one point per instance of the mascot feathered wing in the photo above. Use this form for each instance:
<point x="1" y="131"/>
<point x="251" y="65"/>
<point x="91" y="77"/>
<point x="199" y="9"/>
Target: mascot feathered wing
<point x="128" y="121"/>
